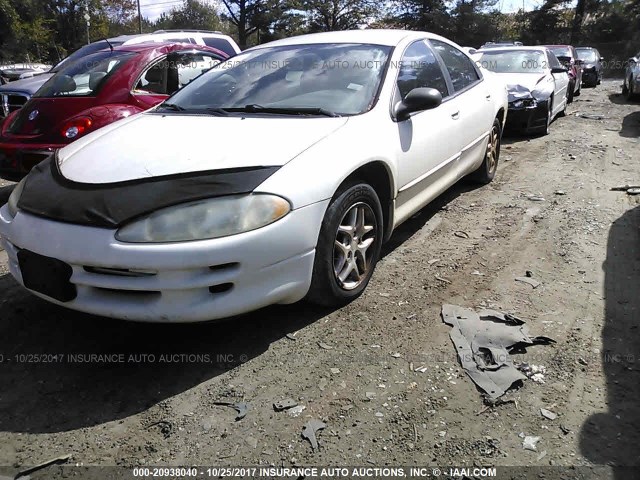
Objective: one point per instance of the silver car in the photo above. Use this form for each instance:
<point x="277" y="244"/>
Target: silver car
<point x="631" y="85"/>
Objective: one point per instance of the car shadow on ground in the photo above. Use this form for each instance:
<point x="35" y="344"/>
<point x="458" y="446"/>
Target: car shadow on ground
<point x="630" y="126"/>
<point x="620" y="99"/>
<point x="411" y="226"/>
<point x="50" y="382"/>
<point x="612" y="438"/>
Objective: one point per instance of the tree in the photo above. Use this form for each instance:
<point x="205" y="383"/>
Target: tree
<point x="425" y="15"/>
<point x="192" y="15"/>
<point x="243" y="15"/>
<point x="331" y="15"/>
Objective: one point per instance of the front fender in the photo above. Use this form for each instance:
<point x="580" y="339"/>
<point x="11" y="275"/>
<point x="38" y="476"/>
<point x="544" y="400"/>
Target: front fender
<point x="316" y="174"/>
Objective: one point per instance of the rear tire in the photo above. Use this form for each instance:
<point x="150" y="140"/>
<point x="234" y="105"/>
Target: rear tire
<point x="487" y="170"/>
<point x="570" y="89"/>
<point x="348" y="246"/>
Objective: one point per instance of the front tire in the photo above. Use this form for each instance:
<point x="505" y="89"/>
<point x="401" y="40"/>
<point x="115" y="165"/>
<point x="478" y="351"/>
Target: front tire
<point x="487" y="170"/>
<point x="348" y="246"/>
<point x="630" y="93"/>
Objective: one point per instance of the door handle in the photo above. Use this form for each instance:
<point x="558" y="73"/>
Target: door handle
<point x="488" y="96"/>
<point x="455" y="115"/>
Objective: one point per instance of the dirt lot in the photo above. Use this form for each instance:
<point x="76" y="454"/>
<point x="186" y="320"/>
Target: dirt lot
<point x="354" y="368"/>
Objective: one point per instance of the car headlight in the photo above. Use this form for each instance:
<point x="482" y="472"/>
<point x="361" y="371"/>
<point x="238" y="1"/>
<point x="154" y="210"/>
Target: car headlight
<point x="206" y="219"/>
<point x="524" y="103"/>
<point x="14" y="197"/>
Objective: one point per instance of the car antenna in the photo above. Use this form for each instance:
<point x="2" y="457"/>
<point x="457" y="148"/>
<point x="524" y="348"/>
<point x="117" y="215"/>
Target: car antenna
<point x="109" y="43"/>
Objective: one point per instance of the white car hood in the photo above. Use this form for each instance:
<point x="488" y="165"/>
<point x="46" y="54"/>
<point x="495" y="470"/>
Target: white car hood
<point x="526" y="80"/>
<point x="150" y="145"/>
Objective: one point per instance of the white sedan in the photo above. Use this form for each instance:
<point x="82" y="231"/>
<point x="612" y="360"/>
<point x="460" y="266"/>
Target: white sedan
<point x="537" y="84"/>
<point x="274" y="177"/>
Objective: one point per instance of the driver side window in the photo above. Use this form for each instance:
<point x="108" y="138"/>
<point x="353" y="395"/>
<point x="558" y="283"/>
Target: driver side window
<point x="420" y="68"/>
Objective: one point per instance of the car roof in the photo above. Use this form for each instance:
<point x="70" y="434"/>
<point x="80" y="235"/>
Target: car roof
<point x="370" y="36"/>
<point x="169" y="46"/>
<point x="513" y="49"/>
<point x="558" y="46"/>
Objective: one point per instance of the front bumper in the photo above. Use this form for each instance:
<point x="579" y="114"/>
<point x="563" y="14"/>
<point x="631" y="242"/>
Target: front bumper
<point x="17" y="159"/>
<point x="183" y="281"/>
<point x="589" y="77"/>
<point x="527" y="119"/>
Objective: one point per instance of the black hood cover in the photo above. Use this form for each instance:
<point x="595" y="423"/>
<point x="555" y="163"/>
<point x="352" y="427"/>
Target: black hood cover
<point x="47" y="193"/>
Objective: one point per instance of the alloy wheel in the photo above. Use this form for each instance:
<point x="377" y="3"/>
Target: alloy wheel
<point x="492" y="150"/>
<point x="351" y="255"/>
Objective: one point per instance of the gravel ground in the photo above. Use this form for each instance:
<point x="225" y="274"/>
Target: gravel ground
<point x="153" y="402"/>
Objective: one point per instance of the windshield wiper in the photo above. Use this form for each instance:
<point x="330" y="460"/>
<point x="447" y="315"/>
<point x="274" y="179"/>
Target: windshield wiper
<point x="171" y="106"/>
<point x="255" y="108"/>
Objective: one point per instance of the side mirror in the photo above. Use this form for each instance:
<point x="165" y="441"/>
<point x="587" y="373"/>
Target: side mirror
<point x="559" y="70"/>
<point x="417" y="100"/>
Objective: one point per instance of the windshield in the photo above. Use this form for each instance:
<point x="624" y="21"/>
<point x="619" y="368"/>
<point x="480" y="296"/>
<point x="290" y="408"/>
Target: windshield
<point x="84" y="51"/>
<point x="85" y="76"/>
<point x="337" y="78"/>
<point x="586" y="55"/>
<point x="561" y="51"/>
<point x="514" y="61"/>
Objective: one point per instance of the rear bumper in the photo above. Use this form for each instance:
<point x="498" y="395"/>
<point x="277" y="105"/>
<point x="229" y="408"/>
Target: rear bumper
<point x="17" y="159"/>
<point x="527" y="120"/>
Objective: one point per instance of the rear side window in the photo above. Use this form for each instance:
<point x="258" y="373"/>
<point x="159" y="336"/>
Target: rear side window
<point x="461" y="69"/>
<point x="84" y="77"/>
<point x="220" y="44"/>
<point x="179" y="40"/>
<point x="420" y="68"/>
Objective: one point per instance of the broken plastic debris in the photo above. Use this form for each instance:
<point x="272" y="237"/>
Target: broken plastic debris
<point x="535" y="198"/>
<point x="537" y="377"/>
<point x="623" y="188"/>
<point x="335" y="371"/>
<point x="461" y="234"/>
<point x="325" y="346"/>
<point x="284" y="404"/>
<point x="531" y="281"/>
<point x="483" y="341"/>
<point x="296" y="411"/>
<point x="396" y="355"/>
<point x="529" y="443"/>
<point x="241" y="408"/>
<point x="633" y="191"/>
<point x="311" y="429"/>
<point x="548" y="414"/>
<point x="22" y="474"/>
<point x="590" y="116"/>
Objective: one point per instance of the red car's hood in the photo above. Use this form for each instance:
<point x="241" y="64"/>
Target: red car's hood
<point x="43" y="117"/>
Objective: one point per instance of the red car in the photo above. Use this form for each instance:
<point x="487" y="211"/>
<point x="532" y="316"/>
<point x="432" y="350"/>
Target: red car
<point x="94" y="91"/>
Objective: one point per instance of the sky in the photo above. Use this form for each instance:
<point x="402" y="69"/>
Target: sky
<point x="152" y="9"/>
